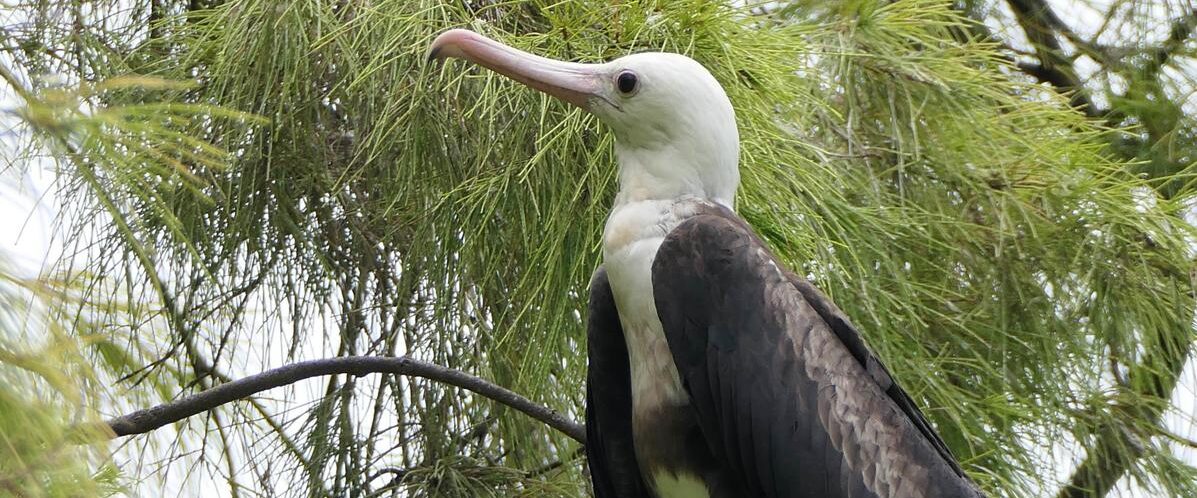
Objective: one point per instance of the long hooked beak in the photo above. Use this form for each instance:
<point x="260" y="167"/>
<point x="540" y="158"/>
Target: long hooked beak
<point x="578" y="84"/>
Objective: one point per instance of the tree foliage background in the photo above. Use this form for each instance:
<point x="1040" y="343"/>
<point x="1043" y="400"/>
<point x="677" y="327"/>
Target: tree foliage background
<point x="995" y="192"/>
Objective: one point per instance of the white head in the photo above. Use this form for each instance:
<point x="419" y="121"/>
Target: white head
<point x="675" y="130"/>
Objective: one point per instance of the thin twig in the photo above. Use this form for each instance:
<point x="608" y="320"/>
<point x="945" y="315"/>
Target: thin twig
<point x="1040" y="23"/>
<point x="1180" y="32"/>
<point x="143" y="421"/>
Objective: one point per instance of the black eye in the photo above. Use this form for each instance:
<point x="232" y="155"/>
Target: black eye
<point x="627" y="82"/>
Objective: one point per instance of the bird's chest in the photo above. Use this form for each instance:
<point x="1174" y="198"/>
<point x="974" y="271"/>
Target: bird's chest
<point x="661" y="416"/>
<point x="655" y="379"/>
<point x="630" y="242"/>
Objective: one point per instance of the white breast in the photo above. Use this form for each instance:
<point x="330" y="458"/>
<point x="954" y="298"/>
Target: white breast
<point x="632" y="236"/>
<point x="633" y="233"/>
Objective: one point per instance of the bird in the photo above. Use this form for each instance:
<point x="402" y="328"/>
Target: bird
<point x="713" y="370"/>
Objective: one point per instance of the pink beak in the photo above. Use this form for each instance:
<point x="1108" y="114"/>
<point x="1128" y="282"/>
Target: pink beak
<point x="572" y="82"/>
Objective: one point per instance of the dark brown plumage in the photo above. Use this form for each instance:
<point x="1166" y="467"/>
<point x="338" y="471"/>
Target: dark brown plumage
<point x="786" y="398"/>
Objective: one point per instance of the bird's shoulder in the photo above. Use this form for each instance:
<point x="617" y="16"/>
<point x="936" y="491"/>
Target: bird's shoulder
<point x="717" y="242"/>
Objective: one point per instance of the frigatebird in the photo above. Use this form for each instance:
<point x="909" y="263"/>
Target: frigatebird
<point x="715" y="372"/>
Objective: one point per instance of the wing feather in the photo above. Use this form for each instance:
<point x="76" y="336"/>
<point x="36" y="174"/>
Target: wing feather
<point x="787" y="393"/>
<point x="614" y="471"/>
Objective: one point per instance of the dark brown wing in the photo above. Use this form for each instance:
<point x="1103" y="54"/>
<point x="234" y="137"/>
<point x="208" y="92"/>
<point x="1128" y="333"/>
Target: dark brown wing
<point x="787" y="394"/>
<point x="609" y="451"/>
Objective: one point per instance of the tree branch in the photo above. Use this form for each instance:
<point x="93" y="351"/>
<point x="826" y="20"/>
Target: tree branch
<point x="1116" y="449"/>
<point x="1154" y="377"/>
<point x="1041" y="24"/>
<point x="143" y="421"/>
<point x="1180" y="31"/>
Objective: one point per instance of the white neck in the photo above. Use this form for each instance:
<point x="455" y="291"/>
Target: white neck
<point x="689" y="169"/>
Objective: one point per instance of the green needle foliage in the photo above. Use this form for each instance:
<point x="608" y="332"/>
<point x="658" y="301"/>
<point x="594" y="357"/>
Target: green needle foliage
<point x="47" y="385"/>
<point x="293" y="180"/>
